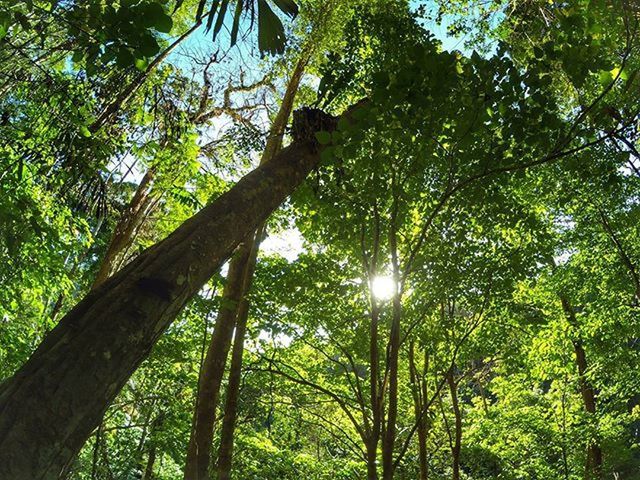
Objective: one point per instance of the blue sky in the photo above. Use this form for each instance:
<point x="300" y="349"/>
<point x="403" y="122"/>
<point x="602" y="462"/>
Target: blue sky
<point x="246" y="49"/>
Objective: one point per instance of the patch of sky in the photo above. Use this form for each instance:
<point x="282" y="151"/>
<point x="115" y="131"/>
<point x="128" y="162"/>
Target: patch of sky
<point x="441" y="26"/>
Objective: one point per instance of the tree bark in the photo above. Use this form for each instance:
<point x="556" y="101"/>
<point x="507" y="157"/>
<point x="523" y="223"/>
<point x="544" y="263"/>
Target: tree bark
<point x="376" y="427"/>
<point x="151" y="461"/>
<point x="53" y="403"/>
<point x="457" y="439"/>
<point x="212" y="371"/>
<point x="418" y="390"/>
<point x="593" y="467"/>
<point x="374" y="360"/>
<point x="225" y="451"/>
<point x="389" y="435"/>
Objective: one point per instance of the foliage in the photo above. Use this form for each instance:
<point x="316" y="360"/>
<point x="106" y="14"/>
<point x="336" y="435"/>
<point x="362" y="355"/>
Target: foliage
<point x="495" y="189"/>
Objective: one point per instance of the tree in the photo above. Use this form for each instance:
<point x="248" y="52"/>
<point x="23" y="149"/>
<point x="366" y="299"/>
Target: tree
<point x="151" y="290"/>
<point x="459" y="293"/>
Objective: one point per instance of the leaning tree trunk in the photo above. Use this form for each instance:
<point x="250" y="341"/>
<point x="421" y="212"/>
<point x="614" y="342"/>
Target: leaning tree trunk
<point x="124" y="233"/>
<point x="53" y="403"/>
<point x="145" y="199"/>
<point x="201" y="439"/>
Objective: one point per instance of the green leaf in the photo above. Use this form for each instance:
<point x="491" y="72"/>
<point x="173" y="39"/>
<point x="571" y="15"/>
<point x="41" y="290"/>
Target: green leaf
<point x="155" y="17"/>
<point x="5" y="23"/>
<point x="148" y="46"/>
<point x="327" y="154"/>
<point x="141" y="64"/>
<point x="199" y="10"/>
<point x="223" y="12"/>
<point x="177" y="5"/>
<point x="236" y="23"/>
<point x="271" y="37"/>
<point x="124" y="58"/>
<point x="164" y="23"/>
<point x="212" y="15"/>
<point x="84" y="131"/>
<point x="343" y="125"/>
<point x="381" y="78"/>
<point x="78" y="55"/>
<point x="617" y="73"/>
<point x="287" y="7"/>
<point x="323" y="137"/>
<point x="23" y="20"/>
<point x="604" y="77"/>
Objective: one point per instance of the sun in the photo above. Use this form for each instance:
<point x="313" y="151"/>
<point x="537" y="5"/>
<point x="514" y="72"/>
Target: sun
<point x="382" y="287"/>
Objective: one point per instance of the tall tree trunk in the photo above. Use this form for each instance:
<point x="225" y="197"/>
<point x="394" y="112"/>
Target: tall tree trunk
<point x="371" y="267"/>
<point x="456" y="447"/>
<point x="154" y="428"/>
<point x="199" y="451"/>
<point x="53" y="403"/>
<point x="593" y="467"/>
<point x="225" y="451"/>
<point x="151" y="461"/>
<point x="212" y="371"/>
<point x="389" y="435"/>
<point x="376" y="424"/>
<point x="418" y="391"/>
<point x="372" y="459"/>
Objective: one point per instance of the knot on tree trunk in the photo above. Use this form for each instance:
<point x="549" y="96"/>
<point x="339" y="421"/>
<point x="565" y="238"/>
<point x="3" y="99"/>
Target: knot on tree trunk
<point x="307" y="121"/>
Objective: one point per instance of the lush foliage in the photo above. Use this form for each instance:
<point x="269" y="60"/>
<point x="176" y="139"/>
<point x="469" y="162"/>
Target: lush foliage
<point x="453" y="293"/>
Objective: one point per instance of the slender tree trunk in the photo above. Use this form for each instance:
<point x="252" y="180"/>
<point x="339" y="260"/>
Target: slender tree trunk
<point x="376" y="424"/>
<point x="225" y="451"/>
<point x="418" y="387"/>
<point x="388" y="442"/>
<point x="457" y="439"/>
<point x="96" y="452"/>
<point x="626" y="260"/>
<point x="371" y="267"/>
<point x="126" y="228"/>
<point x="593" y="467"/>
<point x="53" y="403"/>
<point x="199" y="451"/>
<point x="154" y="428"/>
<point x="151" y="461"/>
<point x="372" y="459"/>
<point x="212" y="371"/>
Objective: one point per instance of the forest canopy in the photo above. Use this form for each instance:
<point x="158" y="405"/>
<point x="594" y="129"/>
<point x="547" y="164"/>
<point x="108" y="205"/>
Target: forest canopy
<point x="320" y="239"/>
